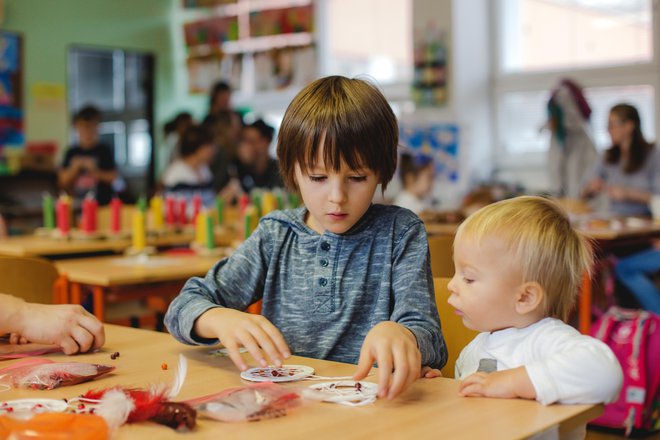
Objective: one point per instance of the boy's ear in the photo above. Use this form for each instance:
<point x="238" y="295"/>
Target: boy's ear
<point x="530" y="298"/>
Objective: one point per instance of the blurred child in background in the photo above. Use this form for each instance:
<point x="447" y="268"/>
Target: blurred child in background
<point x="253" y="167"/>
<point x="89" y="165"/>
<point x="174" y="130"/>
<point x="190" y="174"/>
<point x="417" y="173"/>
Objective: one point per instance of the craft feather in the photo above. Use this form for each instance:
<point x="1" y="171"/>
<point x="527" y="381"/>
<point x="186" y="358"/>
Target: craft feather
<point x="45" y="374"/>
<point x="250" y="403"/>
<point x="131" y="405"/>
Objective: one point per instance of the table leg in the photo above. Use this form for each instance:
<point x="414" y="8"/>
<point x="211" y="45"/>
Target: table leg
<point x="76" y="293"/>
<point x="61" y="290"/>
<point x="99" y="302"/>
<point x="584" y="307"/>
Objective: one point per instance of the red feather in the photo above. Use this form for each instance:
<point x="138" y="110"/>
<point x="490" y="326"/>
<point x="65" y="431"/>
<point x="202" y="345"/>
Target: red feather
<point x="147" y="402"/>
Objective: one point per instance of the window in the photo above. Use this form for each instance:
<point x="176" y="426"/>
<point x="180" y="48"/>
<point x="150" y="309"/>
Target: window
<point x="554" y="34"/>
<point x="605" y="46"/>
<point x="522" y="127"/>
<point x="120" y="84"/>
<point x="372" y="37"/>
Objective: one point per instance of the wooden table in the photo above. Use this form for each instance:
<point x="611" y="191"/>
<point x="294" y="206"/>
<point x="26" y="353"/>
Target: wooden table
<point x="159" y="275"/>
<point x="606" y="239"/>
<point x="431" y="408"/>
<point x="36" y="246"/>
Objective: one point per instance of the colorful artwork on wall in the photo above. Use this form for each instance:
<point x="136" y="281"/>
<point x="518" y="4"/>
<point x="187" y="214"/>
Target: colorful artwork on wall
<point x="11" y="87"/>
<point x="440" y="141"/>
<point x="206" y="3"/>
<point x="282" y="21"/>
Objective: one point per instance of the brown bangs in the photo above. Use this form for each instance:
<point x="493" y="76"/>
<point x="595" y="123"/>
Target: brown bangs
<point x="345" y="120"/>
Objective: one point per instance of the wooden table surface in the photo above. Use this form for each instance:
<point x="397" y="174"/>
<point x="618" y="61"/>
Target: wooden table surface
<point x="431" y="408"/>
<point x="36" y="246"/>
<point x="620" y="231"/>
<point x="126" y="270"/>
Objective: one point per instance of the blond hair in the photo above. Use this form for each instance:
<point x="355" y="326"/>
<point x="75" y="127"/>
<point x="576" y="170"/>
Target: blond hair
<point x="538" y="233"/>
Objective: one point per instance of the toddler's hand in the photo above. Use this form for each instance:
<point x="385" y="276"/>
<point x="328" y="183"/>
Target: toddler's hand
<point x="430" y="373"/>
<point x="505" y="384"/>
<point x="394" y="348"/>
<point x="237" y="329"/>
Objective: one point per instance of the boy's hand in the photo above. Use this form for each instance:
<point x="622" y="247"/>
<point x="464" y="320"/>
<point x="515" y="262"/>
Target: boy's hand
<point x="394" y="348"/>
<point x="68" y="326"/>
<point x="237" y="329"/>
<point x="505" y="384"/>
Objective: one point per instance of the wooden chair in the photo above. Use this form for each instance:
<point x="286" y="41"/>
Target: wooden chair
<point x="441" y="249"/>
<point x="32" y="279"/>
<point x="456" y="335"/>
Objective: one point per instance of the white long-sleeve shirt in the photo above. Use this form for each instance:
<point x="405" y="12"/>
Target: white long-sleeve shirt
<point x="563" y="365"/>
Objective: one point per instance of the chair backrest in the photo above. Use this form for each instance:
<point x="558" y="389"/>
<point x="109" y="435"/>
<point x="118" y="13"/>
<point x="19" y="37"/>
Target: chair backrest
<point x="29" y="278"/>
<point x="441" y="249"/>
<point x="456" y="335"/>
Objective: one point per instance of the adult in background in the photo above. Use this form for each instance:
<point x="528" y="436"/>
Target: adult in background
<point x="225" y="126"/>
<point x="629" y="172"/>
<point x="572" y="149"/>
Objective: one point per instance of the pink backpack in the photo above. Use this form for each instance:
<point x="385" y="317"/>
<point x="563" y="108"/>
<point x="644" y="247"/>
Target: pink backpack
<point x="634" y="337"/>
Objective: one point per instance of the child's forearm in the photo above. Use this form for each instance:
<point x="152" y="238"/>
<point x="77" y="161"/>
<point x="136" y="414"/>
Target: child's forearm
<point x="522" y="384"/>
<point x="204" y="325"/>
<point x="12" y="313"/>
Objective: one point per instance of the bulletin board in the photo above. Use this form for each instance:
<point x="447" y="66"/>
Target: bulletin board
<point x="440" y="141"/>
<point x="11" y="89"/>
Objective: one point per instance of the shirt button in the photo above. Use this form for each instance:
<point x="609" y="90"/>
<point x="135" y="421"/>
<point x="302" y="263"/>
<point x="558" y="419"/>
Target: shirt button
<point x="324" y="262"/>
<point x="325" y="246"/>
<point x="322" y="282"/>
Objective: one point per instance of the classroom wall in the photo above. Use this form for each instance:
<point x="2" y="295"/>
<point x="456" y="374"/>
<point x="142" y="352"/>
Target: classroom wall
<point x="49" y="28"/>
<point x="466" y="24"/>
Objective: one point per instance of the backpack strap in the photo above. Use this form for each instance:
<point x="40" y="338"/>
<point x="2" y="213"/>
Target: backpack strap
<point x="635" y="370"/>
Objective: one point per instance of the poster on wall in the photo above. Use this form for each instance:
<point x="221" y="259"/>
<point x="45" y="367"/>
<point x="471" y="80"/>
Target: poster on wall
<point x="204" y="71"/>
<point x="206" y="3"/>
<point x="439" y="141"/>
<point x="278" y="69"/>
<point x="11" y="105"/>
<point x="282" y="21"/>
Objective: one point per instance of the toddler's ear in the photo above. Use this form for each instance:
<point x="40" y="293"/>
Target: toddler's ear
<point x="530" y="298"/>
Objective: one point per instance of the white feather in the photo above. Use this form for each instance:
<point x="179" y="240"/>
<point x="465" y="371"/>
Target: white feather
<point x="115" y="407"/>
<point x="181" y="372"/>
